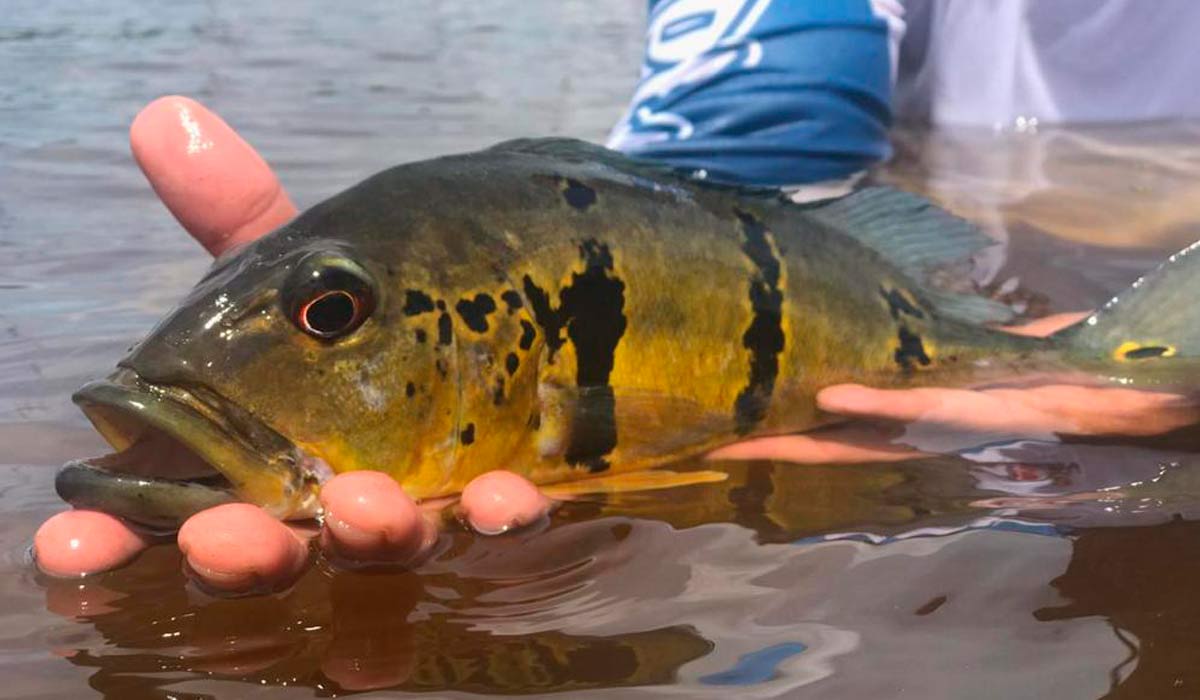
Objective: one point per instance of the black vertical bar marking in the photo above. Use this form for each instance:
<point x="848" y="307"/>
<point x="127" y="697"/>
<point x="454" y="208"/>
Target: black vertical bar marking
<point x="764" y="336"/>
<point x="899" y="304"/>
<point x="910" y="352"/>
<point x="595" y="309"/>
<point x="592" y="311"/>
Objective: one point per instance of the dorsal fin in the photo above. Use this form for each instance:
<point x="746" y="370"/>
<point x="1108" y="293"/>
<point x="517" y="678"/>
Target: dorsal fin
<point x="929" y="244"/>
<point x="576" y="151"/>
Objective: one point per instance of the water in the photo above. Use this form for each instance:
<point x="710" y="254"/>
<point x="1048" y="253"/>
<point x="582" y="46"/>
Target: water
<point x="1031" y="569"/>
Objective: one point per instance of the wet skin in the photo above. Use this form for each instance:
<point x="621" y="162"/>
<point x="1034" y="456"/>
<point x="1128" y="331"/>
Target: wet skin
<point x="224" y="194"/>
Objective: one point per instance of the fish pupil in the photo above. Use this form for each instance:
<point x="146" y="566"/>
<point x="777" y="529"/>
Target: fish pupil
<point x="331" y="313"/>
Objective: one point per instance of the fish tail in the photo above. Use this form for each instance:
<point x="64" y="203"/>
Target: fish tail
<point x="1155" y="322"/>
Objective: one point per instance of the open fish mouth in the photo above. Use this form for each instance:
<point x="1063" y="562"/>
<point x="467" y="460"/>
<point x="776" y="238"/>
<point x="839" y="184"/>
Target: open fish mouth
<point x="181" y="450"/>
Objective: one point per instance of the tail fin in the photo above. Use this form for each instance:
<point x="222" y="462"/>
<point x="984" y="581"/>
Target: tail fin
<point x="1158" y="317"/>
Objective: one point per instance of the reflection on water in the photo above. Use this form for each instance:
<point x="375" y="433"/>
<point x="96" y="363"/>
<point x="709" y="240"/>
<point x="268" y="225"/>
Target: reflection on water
<point x="1013" y="569"/>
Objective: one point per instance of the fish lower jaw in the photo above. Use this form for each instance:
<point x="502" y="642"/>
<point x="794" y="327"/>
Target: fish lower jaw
<point x="173" y="459"/>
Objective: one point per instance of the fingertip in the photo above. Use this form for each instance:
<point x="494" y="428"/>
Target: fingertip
<point x="80" y="542"/>
<point x="368" y="518"/>
<point x="500" y="500"/>
<point x="848" y="398"/>
<point x="239" y="548"/>
<point x="211" y="180"/>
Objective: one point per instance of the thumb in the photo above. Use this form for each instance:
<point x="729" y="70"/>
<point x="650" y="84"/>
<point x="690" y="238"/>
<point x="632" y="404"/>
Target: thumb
<point x="211" y="180"/>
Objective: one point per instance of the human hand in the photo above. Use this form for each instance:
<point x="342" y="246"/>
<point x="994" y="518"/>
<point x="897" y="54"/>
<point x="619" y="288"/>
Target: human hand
<point x="224" y="194"/>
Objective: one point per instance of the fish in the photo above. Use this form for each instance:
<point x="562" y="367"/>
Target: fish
<point x="554" y="308"/>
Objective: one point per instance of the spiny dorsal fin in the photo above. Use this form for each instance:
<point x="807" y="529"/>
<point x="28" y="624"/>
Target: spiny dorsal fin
<point x="576" y="151"/>
<point x="920" y="238"/>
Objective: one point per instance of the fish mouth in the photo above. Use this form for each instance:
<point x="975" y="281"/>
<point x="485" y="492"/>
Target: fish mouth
<point x="180" y="450"/>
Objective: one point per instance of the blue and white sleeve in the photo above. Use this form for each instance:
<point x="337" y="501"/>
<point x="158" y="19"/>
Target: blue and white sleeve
<point x="764" y="92"/>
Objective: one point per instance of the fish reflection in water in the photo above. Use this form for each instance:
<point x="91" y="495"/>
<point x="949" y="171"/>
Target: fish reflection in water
<point x="741" y="588"/>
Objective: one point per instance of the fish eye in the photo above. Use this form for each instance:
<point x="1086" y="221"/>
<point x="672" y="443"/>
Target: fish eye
<point x="328" y="297"/>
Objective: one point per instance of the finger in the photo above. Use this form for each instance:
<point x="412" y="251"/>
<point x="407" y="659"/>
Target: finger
<point x="1081" y="410"/>
<point x="237" y="548"/>
<point x="806" y="449"/>
<point x="79" y="542"/>
<point x="211" y="180"/>
<point x="1048" y="324"/>
<point x="498" y="501"/>
<point x="1064" y="409"/>
<point x="904" y="405"/>
<point x="369" y="519"/>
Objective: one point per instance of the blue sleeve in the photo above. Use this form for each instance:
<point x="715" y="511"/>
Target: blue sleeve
<point x="762" y="92"/>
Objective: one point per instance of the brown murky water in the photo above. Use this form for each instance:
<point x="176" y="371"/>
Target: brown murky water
<point x="1017" y="568"/>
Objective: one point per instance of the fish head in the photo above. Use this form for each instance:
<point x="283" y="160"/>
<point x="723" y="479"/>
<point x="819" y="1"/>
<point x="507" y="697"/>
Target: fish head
<point x="296" y="357"/>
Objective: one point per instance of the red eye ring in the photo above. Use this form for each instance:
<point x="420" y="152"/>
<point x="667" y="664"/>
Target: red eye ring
<point x="328" y="297"/>
<point x="329" y="314"/>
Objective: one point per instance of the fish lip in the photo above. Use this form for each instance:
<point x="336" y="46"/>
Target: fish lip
<point x="260" y="465"/>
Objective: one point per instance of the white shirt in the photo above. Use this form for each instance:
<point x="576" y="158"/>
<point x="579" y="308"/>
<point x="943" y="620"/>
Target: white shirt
<point x="1003" y="63"/>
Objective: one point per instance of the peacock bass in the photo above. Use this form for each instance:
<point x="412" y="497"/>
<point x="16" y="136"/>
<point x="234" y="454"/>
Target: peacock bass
<point x="553" y="308"/>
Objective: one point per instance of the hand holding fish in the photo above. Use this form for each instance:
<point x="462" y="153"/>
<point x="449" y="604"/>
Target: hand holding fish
<point x="224" y="195"/>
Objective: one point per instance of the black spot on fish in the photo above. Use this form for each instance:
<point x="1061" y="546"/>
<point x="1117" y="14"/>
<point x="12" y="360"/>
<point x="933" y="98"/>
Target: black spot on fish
<point x="898" y="303"/>
<point x="579" y="195"/>
<point x="511" y="363"/>
<point x="764" y="336"/>
<point x="911" y="351"/>
<point x="441" y="305"/>
<point x="410" y="389"/>
<point x="527" y="335"/>
<point x="416" y="302"/>
<point x="467" y="436"/>
<point x="421" y="335"/>
<point x="475" y="311"/>
<point x="512" y="299"/>
<point x="546" y="316"/>
<point x="1146" y="352"/>
<point x="445" y="329"/>
<point x="498" y="392"/>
